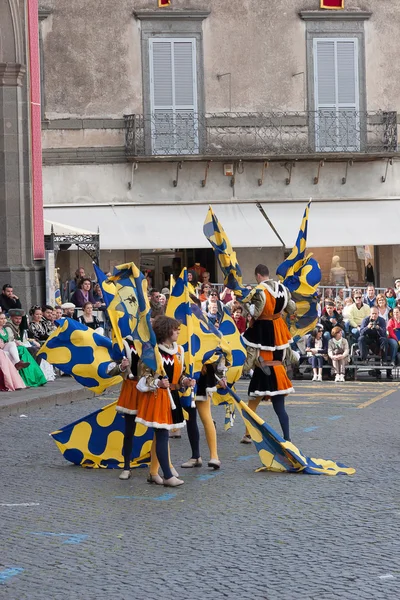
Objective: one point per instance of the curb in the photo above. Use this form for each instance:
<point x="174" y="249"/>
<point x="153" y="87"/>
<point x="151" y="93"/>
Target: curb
<point x="47" y="397"/>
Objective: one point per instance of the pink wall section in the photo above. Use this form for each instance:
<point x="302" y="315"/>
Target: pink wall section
<point x="36" y="133"/>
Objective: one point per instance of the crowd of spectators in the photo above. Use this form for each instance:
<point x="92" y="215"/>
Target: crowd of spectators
<point x="366" y="325"/>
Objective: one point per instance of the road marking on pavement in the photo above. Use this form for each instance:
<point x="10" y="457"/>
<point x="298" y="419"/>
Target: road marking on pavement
<point x="248" y="457"/>
<point x="308" y="429"/>
<point x="21" y="504"/>
<point x="387" y="576"/>
<point x="8" y="573"/>
<point x="73" y="538"/>
<point x="162" y="498"/>
<point x="335" y="417"/>
<point x="380" y="397"/>
<point x="208" y="476"/>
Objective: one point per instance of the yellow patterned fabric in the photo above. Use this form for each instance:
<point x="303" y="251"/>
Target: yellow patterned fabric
<point x="81" y="352"/>
<point x="96" y="440"/>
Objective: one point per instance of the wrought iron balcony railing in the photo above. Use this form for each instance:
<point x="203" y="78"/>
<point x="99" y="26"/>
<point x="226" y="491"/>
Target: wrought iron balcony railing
<point x="184" y="133"/>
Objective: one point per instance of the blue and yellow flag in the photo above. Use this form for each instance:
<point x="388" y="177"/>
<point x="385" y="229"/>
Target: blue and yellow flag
<point x="237" y="348"/>
<point x="301" y="274"/>
<point x="131" y="289"/>
<point x="200" y="343"/>
<point x="225" y="255"/>
<point x="81" y="352"/>
<point x="107" y="287"/>
<point x="276" y="454"/>
<point x="96" y="440"/>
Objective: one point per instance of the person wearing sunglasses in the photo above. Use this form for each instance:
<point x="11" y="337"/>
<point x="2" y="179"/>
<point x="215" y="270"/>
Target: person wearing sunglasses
<point x="213" y="299"/>
<point x="357" y="313"/>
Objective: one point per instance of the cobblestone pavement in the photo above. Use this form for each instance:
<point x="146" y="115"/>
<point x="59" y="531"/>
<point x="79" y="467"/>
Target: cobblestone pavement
<point x="68" y="532"/>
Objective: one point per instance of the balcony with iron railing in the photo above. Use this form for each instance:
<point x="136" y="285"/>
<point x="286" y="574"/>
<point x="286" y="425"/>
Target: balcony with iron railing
<point x="261" y="136"/>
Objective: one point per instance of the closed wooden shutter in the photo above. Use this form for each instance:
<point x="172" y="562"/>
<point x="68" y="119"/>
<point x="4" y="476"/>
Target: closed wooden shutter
<point x="336" y="88"/>
<point x="173" y="96"/>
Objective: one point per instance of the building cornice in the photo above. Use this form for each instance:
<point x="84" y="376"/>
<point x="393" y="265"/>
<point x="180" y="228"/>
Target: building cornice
<point x="11" y="74"/>
<point x="171" y="15"/>
<point x="44" y="13"/>
<point x="343" y="15"/>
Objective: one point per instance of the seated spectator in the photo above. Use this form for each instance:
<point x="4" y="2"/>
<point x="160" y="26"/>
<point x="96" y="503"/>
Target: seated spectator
<point x="40" y="329"/>
<point x="204" y="292"/>
<point x="397" y="288"/>
<point x="58" y="313"/>
<point x="370" y="296"/>
<point x="213" y="315"/>
<point x="11" y="379"/>
<point x="239" y="319"/>
<point x="8" y="299"/>
<point x="89" y="319"/>
<point x="163" y="300"/>
<point x="393" y="329"/>
<point x="338" y="352"/>
<point x="205" y="277"/>
<point x="346" y="308"/>
<point x="84" y="294"/>
<point x="10" y="347"/>
<point x="213" y="299"/>
<point x="317" y="349"/>
<point x="358" y="311"/>
<point x="373" y="335"/>
<point x="226" y="296"/>
<point x="49" y="318"/>
<point x="98" y="294"/>
<point x="339" y="309"/>
<point x="20" y="334"/>
<point x="340" y="295"/>
<point x="390" y="297"/>
<point x="30" y="371"/>
<point x="68" y="309"/>
<point x="330" y="319"/>
<point x="165" y="291"/>
<point x="383" y="309"/>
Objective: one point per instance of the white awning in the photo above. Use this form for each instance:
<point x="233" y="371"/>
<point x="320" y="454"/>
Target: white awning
<point x="345" y="223"/>
<point x="63" y="229"/>
<point x="331" y="223"/>
<point x="178" y="226"/>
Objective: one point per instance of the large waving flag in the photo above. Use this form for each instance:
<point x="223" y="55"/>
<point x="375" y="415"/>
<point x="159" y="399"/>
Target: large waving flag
<point x="276" y="454"/>
<point x="81" y="352"/>
<point x="225" y="255"/>
<point x="200" y="341"/>
<point x="131" y="289"/>
<point x="301" y="274"/>
<point x="96" y="440"/>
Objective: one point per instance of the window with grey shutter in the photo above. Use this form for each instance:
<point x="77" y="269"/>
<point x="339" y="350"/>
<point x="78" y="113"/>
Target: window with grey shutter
<point x="336" y="86"/>
<point x="173" y="96"/>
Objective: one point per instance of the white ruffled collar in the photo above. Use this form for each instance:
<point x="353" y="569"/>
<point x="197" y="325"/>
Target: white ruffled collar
<point x="172" y="350"/>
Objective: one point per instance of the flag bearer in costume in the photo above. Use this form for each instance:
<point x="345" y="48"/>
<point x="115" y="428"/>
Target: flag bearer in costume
<point x="160" y="407"/>
<point x="206" y="385"/>
<point x="266" y="340"/>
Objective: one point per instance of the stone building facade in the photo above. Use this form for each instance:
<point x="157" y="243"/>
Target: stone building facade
<point x="18" y="266"/>
<point x="150" y="114"/>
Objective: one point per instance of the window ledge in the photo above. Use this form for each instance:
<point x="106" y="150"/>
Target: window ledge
<point x="196" y="15"/>
<point x="345" y="15"/>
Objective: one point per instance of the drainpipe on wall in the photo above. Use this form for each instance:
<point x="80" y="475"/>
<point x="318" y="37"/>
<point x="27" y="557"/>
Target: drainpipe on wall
<point x="36" y="130"/>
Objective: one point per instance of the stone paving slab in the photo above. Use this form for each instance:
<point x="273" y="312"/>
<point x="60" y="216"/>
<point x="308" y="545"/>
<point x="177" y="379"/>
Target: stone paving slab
<point x="81" y="534"/>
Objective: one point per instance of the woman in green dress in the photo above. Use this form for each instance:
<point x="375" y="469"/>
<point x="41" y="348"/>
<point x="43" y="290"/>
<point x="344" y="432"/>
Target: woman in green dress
<point x="20" y="356"/>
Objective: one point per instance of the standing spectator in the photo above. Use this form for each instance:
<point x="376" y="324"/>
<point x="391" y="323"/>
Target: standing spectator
<point x="358" y="311"/>
<point x="192" y="282"/>
<point x="226" y="296"/>
<point x="83" y="294"/>
<point x="317" y="349"/>
<point x="79" y="275"/>
<point x="212" y="314"/>
<point x="239" y="319"/>
<point x="165" y="291"/>
<point x="206" y="277"/>
<point x="370" y="296"/>
<point x="204" y="292"/>
<point x="348" y="303"/>
<point x="8" y="299"/>
<point x="98" y="294"/>
<point x="330" y="320"/>
<point x="383" y="309"/>
<point x="155" y="305"/>
<point x="390" y="297"/>
<point x="338" y="352"/>
<point x="393" y="329"/>
<point x="373" y="335"/>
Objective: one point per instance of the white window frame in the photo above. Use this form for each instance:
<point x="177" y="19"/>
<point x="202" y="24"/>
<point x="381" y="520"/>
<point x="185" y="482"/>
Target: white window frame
<point x="193" y="106"/>
<point x="318" y="107"/>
